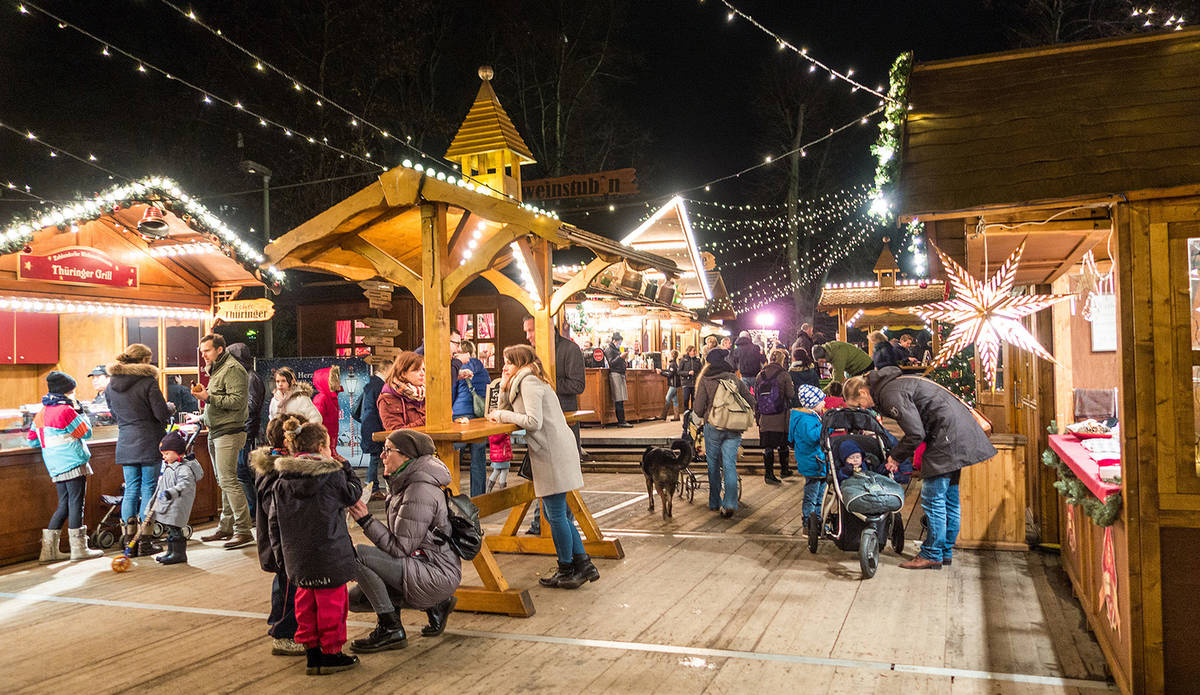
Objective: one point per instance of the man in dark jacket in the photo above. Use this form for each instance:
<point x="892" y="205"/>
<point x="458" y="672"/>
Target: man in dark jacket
<point x="689" y="369"/>
<point x="255" y="395"/>
<point x="928" y="413"/>
<point x="747" y="358"/>
<point x="616" y="377"/>
<point x="366" y="413"/>
<point x="804" y="339"/>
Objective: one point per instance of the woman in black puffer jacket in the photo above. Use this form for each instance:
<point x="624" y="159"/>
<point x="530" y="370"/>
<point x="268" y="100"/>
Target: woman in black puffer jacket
<point x="142" y="416"/>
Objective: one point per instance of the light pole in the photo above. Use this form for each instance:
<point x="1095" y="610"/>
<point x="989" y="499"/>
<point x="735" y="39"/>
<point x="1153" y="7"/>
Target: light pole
<point x="255" y="169"/>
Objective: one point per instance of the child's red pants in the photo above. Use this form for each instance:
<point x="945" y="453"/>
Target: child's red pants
<point x="321" y="618"/>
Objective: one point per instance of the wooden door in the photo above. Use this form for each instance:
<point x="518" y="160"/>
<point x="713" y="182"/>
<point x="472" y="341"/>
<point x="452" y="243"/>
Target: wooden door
<point x="1027" y="415"/>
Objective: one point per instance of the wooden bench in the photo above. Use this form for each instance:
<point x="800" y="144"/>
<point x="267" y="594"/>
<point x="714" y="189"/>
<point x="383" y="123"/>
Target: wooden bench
<point x="496" y="596"/>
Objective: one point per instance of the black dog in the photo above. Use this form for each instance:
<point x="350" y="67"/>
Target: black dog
<point x="662" y="466"/>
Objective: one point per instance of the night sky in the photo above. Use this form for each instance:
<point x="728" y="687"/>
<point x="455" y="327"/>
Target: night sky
<point x="693" y="92"/>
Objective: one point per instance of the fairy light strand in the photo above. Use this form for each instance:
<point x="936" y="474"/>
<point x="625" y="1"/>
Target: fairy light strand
<point x="90" y="160"/>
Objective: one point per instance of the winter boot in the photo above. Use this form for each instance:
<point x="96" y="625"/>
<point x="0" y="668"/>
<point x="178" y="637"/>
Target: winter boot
<point x="176" y="553"/>
<point x="585" y="569"/>
<point x="129" y="530"/>
<point x="566" y="570"/>
<point x="50" y="551"/>
<point x="678" y="417"/>
<point x="332" y="663"/>
<point x="388" y="634"/>
<point x="437" y="617"/>
<point x="313" y="667"/>
<point x="663" y="415"/>
<point x="79" y="549"/>
<point x="147" y="547"/>
<point x="491" y="484"/>
<point x="769" y="467"/>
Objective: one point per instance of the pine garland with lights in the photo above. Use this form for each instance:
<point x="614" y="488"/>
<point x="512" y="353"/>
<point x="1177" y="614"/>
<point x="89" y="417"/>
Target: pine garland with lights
<point x="958" y="376"/>
<point x="891" y="135"/>
<point x="1102" y="513"/>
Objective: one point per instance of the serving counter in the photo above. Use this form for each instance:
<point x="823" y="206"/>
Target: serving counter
<point x="23" y="477"/>
<point x="647" y="390"/>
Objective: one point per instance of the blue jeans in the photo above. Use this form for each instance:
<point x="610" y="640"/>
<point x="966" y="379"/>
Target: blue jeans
<point x="140" y="480"/>
<point x="245" y="476"/>
<point x="720" y="448"/>
<point x="567" y="543"/>
<point x="673" y="395"/>
<point x="814" y="493"/>
<point x="374" y="461"/>
<point x="479" y="465"/>
<point x="939" y="500"/>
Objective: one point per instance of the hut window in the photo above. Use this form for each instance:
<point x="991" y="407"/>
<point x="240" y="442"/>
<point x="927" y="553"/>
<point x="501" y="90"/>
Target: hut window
<point x="182" y="338"/>
<point x="145" y="331"/>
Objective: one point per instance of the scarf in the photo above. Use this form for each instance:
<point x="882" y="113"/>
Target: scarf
<point x="413" y="393"/>
<point x="58" y="399"/>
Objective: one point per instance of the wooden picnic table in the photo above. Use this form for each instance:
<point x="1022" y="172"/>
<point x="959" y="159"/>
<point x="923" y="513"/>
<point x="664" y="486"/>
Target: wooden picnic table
<point x="496" y="596"/>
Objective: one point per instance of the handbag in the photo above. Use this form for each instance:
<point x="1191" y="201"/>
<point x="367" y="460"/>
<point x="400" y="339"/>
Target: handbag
<point x="526" y="469"/>
<point x="480" y="404"/>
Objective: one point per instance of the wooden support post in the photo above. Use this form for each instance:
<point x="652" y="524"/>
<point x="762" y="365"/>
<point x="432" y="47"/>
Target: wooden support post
<point x="841" y="325"/>
<point x="519" y="498"/>
<point x="438" y="382"/>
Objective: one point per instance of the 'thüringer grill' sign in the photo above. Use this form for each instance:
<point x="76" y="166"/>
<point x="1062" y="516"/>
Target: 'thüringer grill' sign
<point x="603" y="183"/>
<point x="242" y="310"/>
<point x="77" y="265"/>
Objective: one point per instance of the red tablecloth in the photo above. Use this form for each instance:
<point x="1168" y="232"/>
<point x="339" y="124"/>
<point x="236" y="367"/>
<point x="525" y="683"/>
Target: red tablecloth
<point x="1081" y="463"/>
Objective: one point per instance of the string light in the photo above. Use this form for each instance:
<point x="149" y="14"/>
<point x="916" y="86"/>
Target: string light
<point x="64" y="306"/>
<point x="143" y="65"/>
<point x="28" y="135"/>
<point x="25" y="190"/>
<point x="814" y="63"/>
<point x="20" y="232"/>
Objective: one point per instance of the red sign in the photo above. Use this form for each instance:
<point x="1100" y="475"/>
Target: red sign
<point x="597" y="355"/>
<point x="77" y="265"/>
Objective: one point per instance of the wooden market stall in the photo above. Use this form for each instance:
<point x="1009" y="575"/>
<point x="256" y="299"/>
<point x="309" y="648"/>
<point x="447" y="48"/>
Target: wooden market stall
<point x="886" y="301"/>
<point x="142" y="262"/>
<point x="654" y="313"/>
<point x="1089" y="155"/>
<point x="422" y="227"/>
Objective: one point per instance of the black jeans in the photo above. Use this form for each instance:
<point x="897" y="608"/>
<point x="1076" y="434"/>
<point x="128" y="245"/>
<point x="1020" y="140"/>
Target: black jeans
<point x="246" y="477"/>
<point x="688" y="393"/>
<point x="70" y="503"/>
<point x="282" y="620"/>
<point x="619" y="406"/>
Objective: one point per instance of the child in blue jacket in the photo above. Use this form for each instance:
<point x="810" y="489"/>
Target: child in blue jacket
<point x="804" y="432"/>
<point x="58" y="430"/>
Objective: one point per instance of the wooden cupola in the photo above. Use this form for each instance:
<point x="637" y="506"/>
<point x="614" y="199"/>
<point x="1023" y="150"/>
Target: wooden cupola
<point x="487" y="146"/>
<point x="886" y="268"/>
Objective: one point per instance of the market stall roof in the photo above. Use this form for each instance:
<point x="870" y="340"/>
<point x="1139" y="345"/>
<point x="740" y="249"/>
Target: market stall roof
<point x="668" y="232"/>
<point x="488" y="128"/>
<point x="376" y="232"/>
<point x="870" y="295"/>
<point x="183" y="236"/>
<point x="1097" y="118"/>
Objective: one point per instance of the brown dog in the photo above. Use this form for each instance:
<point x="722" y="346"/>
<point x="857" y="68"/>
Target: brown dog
<point x="661" y="466"/>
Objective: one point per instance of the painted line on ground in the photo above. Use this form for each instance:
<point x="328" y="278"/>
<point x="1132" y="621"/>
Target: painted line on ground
<point x="627" y="646"/>
<point x="618" y="507"/>
<point x="633" y="532"/>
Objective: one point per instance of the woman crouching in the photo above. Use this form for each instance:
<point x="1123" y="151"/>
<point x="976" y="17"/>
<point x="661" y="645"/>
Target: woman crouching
<point x="408" y="566"/>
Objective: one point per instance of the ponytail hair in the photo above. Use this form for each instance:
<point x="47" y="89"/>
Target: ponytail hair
<point x="304" y="437"/>
<point x="276" y="429"/>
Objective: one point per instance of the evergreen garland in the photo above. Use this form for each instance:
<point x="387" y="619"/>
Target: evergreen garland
<point x="1075" y="492"/>
<point x="957" y="375"/>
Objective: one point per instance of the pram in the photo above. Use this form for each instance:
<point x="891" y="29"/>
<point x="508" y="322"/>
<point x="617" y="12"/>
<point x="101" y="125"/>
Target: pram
<point x="693" y="434"/>
<point x="848" y="530"/>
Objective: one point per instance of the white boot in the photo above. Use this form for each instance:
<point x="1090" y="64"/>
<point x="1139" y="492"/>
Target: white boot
<point x="79" y="549"/>
<point x="50" y="551"/>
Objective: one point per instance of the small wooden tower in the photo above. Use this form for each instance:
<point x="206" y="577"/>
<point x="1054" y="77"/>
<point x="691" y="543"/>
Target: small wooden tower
<point x="487" y="146"/>
<point x="886" y="268"/>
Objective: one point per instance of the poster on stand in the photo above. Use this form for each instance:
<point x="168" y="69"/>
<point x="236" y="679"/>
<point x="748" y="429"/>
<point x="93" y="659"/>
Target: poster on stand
<point x="354" y="375"/>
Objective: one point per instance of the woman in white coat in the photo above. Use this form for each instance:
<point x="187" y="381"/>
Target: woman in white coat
<point x="528" y="401"/>
<point x="292" y="397"/>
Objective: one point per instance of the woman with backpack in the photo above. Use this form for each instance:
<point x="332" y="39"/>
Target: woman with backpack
<point x="774" y="393"/>
<point x="725" y="404"/>
<point x="408" y="566"/>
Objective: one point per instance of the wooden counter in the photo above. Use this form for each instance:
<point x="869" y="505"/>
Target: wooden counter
<point x="30" y="498"/>
<point x="993" y="498"/>
<point x="647" y="393"/>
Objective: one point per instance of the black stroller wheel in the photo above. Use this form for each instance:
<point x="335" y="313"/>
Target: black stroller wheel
<point x="104" y="539"/>
<point x="868" y="553"/>
<point x="692" y="484"/>
<point x="814" y="531"/>
<point x="898" y="533"/>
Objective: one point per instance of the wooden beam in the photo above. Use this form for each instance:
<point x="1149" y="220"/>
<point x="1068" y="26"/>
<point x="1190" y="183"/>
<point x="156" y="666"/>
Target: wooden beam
<point x="452" y="245"/>
<point x="496" y="244"/>
<point x="526" y="249"/>
<point x="1076" y="255"/>
<point x="367" y="202"/>
<point x="581" y="281"/>
<point x="388" y="268"/>
<point x="436" y="314"/>
<point x="507" y="287"/>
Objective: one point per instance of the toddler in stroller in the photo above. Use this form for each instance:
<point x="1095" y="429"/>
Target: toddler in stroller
<point x="857" y="437"/>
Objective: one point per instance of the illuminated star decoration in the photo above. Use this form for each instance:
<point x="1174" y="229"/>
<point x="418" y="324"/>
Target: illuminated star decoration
<point x="986" y="314"/>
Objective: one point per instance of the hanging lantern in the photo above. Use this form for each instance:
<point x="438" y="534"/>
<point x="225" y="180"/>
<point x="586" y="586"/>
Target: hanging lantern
<point x="153" y="224"/>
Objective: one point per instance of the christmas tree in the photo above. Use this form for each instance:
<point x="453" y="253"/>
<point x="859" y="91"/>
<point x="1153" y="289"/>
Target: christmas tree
<point x="958" y="375"/>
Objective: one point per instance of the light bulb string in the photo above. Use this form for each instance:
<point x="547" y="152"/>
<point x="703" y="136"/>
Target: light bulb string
<point x="90" y="160"/>
<point x="24" y="190"/>
<point x="804" y="53"/>
<point x="236" y="105"/>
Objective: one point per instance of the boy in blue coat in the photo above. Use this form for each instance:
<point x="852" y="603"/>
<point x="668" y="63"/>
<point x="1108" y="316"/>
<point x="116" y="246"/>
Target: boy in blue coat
<point x="804" y="432"/>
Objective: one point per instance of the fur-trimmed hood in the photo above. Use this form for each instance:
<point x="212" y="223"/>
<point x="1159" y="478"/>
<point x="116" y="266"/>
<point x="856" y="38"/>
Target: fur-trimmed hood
<point x="123" y="375"/>
<point x="262" y="461"/>
<point x="300" y="388"/>
<point x="309" y="465"/>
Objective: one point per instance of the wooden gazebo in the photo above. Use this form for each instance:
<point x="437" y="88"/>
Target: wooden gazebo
<point x="430" y="230"/>
<point x="886" y="301"/>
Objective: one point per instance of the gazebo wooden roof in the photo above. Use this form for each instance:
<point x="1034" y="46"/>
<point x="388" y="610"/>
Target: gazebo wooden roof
<point x="487" y="127"/>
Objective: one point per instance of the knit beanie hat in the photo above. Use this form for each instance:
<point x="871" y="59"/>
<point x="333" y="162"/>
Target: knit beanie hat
<point x="716" y="357"/>
<point x="809" y="396"/>
<point x="411" y="444"/>
<point x="848" y="448"/>
<point x="173" y="442"/>
<point x="57" y="382"/>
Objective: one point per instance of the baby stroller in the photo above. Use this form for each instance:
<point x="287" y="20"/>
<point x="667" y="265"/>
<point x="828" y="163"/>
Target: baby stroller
<point x="693" y="434"/>
<point x="849" y="530"/>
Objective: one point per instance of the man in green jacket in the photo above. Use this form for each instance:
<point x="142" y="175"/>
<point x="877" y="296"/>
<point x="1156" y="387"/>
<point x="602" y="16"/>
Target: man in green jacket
<point x="226" y="400"/>
<point x="847" y="360"/>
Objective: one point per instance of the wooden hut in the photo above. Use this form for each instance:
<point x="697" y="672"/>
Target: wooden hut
<point x="1089" y="148"/>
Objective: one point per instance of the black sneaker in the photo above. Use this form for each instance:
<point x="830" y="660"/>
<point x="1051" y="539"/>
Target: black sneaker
<point x="388" y="634"/>
<point x="332" y="663"/>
